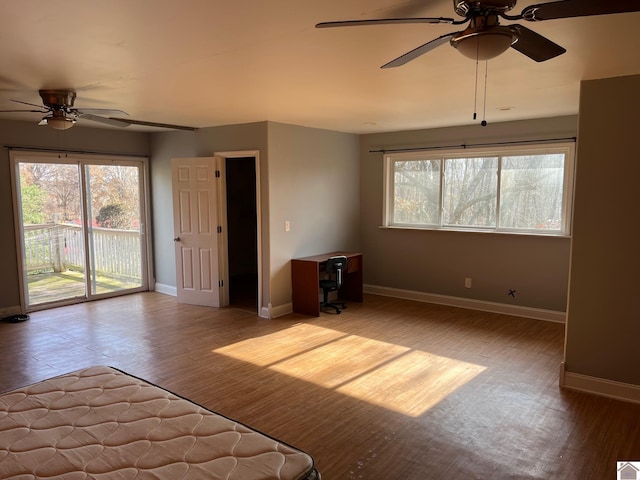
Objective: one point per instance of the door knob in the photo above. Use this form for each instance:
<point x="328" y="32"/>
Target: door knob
<point x="176" y="239"/>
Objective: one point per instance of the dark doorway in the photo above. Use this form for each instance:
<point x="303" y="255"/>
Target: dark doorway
<point x="242" y="232"/>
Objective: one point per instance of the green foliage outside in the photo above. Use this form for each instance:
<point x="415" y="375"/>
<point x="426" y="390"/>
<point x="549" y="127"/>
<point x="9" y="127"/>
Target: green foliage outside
<point x="33" y="199"/>
<point x="112" y="216"/>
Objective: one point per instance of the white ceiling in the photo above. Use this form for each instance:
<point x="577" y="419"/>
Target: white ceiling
<point x="216" y="62"/>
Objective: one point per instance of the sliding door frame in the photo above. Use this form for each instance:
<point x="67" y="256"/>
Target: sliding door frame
<point x="82" y="160"/>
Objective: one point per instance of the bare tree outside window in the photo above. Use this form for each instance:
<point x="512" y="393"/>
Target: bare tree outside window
<point x="60" y="190"/>
<point x="470" y="191"/>
<point x="416" y="192"/>
<point x="114" y="196"/>
<point x="531" y="189"/>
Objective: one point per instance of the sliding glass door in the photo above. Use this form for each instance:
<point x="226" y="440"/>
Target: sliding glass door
<point x="53" y="256"/>
<point x="81" y="227"/>
<point x="114" y="232"/>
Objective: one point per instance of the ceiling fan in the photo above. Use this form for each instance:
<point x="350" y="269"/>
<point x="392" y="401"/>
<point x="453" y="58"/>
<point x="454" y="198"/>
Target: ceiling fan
<point x="484" y="38"/>
<point x="57" y="105"/>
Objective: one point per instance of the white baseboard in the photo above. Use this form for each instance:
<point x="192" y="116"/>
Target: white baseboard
<point x="517" y="310"/>
<point x="279" y="311"/>
<point x="166" y="289"/>
<point x="528" y="312"/>
<point x="599" y="386"/>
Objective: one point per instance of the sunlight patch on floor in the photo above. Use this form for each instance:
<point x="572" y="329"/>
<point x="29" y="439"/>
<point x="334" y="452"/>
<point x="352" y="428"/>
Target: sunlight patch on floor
<point x="412" y="383"/>
<point x="391" y="376"/>
<point x="341" y="361"/>
<point x="276" y="347"/>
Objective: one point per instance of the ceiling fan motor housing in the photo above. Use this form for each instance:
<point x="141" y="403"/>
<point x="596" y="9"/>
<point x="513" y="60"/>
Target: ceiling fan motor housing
<point x="60" y="103"/>
<point x="58" y="98"/>
<point x="464" y="7"/>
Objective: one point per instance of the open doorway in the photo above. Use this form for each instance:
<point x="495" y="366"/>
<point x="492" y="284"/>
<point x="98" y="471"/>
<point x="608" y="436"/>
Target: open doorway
<point x="242" y="232"/>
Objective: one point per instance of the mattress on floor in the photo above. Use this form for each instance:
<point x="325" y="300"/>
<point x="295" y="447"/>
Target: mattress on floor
<point x="101" y="423"/>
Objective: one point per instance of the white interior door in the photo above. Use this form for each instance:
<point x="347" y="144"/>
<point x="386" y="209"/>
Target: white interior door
<point x="195" y="226"/>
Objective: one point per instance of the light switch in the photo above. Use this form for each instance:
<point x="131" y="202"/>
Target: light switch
<point x="287" y="225"/>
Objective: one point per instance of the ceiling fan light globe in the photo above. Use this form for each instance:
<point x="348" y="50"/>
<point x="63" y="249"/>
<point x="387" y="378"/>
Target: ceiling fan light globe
<point x="60" y="123"/>
<point x="485" y="45"/>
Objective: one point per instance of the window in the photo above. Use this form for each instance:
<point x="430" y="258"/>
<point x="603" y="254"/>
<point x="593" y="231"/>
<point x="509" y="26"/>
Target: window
<point x="511" y="189"/>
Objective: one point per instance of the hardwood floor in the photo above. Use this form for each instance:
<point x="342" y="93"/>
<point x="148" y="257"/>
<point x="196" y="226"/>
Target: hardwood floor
<point x="390" y="389"/>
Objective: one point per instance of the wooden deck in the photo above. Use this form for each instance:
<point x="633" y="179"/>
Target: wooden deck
<point x="389" y="389"/>
<point x="55" y="287"/>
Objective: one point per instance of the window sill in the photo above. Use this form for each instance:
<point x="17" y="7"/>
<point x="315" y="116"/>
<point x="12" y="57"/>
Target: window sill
<point x="477" y="230"/>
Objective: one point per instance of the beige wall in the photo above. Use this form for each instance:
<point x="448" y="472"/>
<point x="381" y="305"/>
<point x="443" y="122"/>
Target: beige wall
<point x="29" y="134"/>
<point x="307" y="176"/>
<point x="164" y="147"/>
<point x="436" y="262"/>
<point x="603" y="328"/>
<point x="313" y="184"/>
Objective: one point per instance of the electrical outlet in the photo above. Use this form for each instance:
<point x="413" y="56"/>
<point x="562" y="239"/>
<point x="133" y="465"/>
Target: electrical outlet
<point x="467" y="282"/>
<point x="287" y="225"/>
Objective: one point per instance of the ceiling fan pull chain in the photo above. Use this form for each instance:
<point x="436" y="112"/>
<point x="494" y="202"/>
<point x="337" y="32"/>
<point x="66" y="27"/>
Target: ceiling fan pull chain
<point x="484" y="108"/>
<point x="475" y="93"/>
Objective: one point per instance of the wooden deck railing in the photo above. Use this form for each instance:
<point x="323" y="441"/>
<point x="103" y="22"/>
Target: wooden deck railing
<point x="60" y="247"/>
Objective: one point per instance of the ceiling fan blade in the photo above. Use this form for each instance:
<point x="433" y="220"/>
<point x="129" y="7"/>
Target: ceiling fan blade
<point x="421" y="50"/>
<point x="32" y="111"/>
<point x="99" y="111"/>
<point x="578" y="8"/>
<point x="33" y="105"/>
<point x="153" y="124"/>
<point x="107" y="121"/>
<point x="384" y="21"/>
<point x="534" y="45"/>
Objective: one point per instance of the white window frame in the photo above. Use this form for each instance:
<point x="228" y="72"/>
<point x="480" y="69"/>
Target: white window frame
<point x="568" y="149"/>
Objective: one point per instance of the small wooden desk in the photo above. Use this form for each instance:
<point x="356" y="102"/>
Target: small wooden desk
<point x="305" y="281"/>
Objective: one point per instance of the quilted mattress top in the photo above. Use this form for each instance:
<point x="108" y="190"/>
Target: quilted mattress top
<point x="101" y="423"/>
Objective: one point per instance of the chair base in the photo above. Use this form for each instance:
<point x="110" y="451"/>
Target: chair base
<point x="337" y="306"/>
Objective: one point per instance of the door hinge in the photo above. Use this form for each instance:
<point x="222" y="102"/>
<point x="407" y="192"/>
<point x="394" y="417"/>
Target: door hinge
<point x="219" y="229"/>
<point x="217" y="173"/>
<point x="220" y="283"/>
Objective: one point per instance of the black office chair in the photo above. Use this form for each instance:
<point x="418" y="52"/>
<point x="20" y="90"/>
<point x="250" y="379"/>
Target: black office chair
<point x="335" y="267"/>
